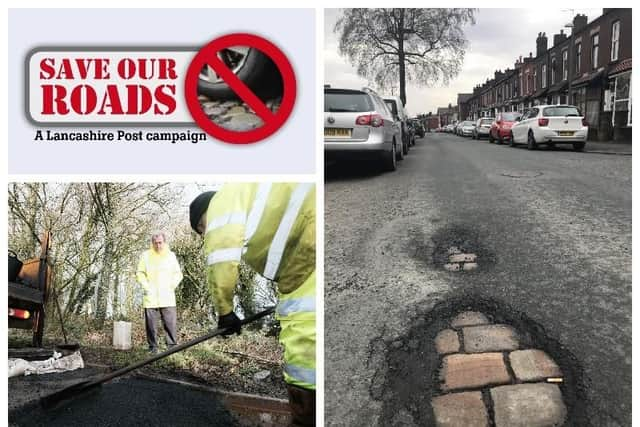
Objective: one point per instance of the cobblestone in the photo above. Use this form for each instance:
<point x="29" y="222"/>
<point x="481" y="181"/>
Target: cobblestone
<point x="528" y="405"/>
<point x="234" y="115"/>
<point x="447" y="342"/>
<point x="478" y="339"/>
<point x="460" y="409"/>
<point x="473" y="370"/>
<point x="530" y="365"/>
<point x="469" y="318"/>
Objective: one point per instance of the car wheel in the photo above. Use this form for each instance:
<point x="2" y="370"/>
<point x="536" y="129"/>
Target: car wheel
<point x="473" y="136"/>
<point x="531" y="141"/>
<point x="499" y="141"/>
<point x="399" y="153"/>
<point x="405" y="148"/>
<point x="551" y="145"/>
<point x="389" y="163"/>
<point x="579" y="146"/>
<point x="252" y="67"/>
<point x="491" y="140"/>
<point x="512" y="141"/>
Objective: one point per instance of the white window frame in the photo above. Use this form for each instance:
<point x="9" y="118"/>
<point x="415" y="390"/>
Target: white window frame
<point x="578" y="57"/>
<point x="553" y="71"/>
<point x="595" y="51"/>
<point x="544" y="76"/>
<point x="615" y="100"/>
<point x="615" y="40"/>
<point x="565" y="62"/>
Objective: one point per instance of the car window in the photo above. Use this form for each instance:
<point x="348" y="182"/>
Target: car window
<point x="561" y="111"/>
<point x="510" y="117"/>
<point x="486" y="121"/>
<point x="392" y="106"/>
<point x="351" y="102"/>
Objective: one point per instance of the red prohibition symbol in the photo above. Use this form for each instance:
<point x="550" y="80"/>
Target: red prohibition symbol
<point x="208" y="55"/>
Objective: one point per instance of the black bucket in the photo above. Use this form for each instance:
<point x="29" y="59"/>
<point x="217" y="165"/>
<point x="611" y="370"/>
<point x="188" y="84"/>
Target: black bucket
<point x="14" y="266"/>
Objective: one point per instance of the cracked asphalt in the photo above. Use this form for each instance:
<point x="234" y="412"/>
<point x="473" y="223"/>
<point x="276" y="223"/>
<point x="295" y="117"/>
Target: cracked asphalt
<point x="552" y="231"/>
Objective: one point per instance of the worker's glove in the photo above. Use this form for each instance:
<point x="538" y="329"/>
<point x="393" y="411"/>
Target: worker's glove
<point x="231" y="322"/>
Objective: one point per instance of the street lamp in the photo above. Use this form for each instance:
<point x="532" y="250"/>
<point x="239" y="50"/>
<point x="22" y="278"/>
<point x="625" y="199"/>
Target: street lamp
<point x="569" y="63"/>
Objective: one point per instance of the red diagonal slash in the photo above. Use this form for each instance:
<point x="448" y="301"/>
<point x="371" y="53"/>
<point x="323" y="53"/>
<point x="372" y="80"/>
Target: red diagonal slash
<point x="240" y="89"/>
<point x="208" y="56"/>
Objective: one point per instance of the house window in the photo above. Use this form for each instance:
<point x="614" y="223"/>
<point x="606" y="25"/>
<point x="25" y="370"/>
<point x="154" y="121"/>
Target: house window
<point x="544" y="76"/>
<point x="578" y="57"/>
<point x="553" y="71"/>
<point x="565" y="56"/>
<point x="535" y="76"/>
<point x="615" y="40"/>
<point x="622" y="100"/>
<point x="595" y="47"/>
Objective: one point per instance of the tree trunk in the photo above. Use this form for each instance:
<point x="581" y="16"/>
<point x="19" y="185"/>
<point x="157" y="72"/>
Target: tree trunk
<point x="401" y="66"/>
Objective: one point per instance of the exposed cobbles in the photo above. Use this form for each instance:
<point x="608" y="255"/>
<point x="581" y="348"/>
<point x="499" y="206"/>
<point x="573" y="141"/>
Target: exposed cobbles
<point x="486" y="379"/>
<point x="235" y="115"/>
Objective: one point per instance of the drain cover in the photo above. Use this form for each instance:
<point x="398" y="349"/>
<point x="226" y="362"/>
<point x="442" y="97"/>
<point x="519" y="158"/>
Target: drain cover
<point x="521" y="174"/>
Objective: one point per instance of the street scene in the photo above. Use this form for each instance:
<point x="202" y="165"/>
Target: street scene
<point x="477" y="242"/>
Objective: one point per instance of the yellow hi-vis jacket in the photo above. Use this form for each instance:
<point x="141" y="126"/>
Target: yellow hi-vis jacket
<point x="271" y="226"/>
<point x="159" y="275"/>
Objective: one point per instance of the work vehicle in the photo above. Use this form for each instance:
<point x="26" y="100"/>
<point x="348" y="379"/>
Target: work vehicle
<point x="255" y="69"/>
<point x="501" y="127"/>
<point x="28" y="290"/>
<point x="551" y="124"/>
<point x="400" y="114"/>
<point x="482" y="127"/>
<point x="358" y="125"/>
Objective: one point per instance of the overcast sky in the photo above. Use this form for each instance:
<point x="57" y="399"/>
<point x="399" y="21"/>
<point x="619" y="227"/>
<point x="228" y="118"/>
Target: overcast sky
<point x="497" y="39"/>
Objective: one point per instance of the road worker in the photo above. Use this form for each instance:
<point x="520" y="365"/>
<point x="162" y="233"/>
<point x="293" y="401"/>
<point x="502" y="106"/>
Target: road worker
<point x="271" y="227"/>
<point x="159" y="275"/>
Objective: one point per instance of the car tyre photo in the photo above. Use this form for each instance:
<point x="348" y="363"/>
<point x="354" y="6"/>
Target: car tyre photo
<point x="512" y="142"/>
<point x="256" y="70"/>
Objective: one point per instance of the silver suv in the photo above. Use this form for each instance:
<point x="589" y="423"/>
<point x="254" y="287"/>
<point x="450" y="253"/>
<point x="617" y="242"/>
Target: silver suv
<point x="357" y="124"/>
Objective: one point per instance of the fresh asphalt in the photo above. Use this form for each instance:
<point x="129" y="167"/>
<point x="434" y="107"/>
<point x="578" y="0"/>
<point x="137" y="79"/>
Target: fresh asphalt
<point x="552" y="230"/>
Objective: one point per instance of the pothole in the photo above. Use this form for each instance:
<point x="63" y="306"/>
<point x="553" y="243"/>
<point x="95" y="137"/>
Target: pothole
<point x="521" y="174"/>
<point x="459" y="248"/>
<point x="473" y="361"/>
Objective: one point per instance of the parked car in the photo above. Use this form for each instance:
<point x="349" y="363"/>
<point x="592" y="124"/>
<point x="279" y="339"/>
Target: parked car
<point x="400" y="114"/>
<point x="466" y="128"/>
<point x="482" y="127"/>
<point x="450" y="128"/>
<point x="418" y="127"/>
<point x="551" y="124"/>
<point x="358" y="124"/>
<point x="501" y="127"/>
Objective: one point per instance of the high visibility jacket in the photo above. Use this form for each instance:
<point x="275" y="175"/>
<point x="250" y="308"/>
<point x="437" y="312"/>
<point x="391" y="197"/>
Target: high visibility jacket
<point x="159" y="275"/>
<point x="271" y="227"/>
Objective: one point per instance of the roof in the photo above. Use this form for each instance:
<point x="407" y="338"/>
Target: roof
<point x="621" y="67"/>
<point x="558" y="87"/>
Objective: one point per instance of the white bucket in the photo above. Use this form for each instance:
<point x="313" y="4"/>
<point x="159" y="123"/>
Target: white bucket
<point x="122" y="335"/>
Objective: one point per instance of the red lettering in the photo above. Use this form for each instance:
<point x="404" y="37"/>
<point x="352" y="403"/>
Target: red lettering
<point x="165" y="96"/>
<point x="53" y="100"/>
<point x="127" y="68"/>
<point x="47" y="71"/>
<point x="139" y="102"/>
<point x="83" y="99"/>
<point x="112" y="101"/>
<point x="167" y="67"/>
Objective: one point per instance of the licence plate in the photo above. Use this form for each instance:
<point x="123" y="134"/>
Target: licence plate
<point x="565" y="133"/>
<point x="337" y="132"/>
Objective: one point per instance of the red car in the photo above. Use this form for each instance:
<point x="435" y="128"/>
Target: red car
<point x="501" y="128"/>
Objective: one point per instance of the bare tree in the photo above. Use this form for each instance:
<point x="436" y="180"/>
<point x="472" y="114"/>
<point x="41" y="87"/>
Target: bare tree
<point x="392" y="46"/>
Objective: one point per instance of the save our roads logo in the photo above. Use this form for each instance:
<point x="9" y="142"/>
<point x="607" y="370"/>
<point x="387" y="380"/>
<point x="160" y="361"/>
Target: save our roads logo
<point x="154" y="86"/>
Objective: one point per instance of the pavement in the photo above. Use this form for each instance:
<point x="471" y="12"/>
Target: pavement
<point x="608" y="147"/>
<point x="543" y="244"/>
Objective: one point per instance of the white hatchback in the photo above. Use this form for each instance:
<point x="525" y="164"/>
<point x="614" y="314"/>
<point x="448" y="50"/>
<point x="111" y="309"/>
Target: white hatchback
<point x="550" y="124"/>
